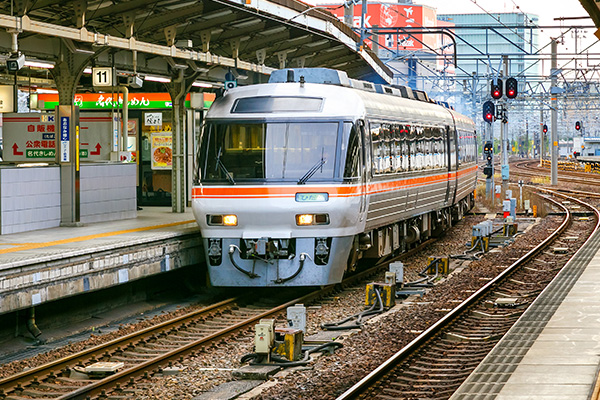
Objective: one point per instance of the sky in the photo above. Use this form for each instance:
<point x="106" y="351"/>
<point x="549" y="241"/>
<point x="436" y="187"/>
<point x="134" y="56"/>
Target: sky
<point x="546" y="10"/>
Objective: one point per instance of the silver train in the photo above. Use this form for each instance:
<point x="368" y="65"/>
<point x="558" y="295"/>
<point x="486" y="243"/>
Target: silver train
<point x="299" y="178"/>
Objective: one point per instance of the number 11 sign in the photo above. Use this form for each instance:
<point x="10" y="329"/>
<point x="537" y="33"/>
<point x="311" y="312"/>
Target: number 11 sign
<point x="102" y="76"/>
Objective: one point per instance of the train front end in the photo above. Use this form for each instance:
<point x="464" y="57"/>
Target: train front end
<point x="271" y="194"/>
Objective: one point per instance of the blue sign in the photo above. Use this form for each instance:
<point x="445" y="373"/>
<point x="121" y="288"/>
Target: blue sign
<point x="64" y="128"/>
<point x="64" y="139"/>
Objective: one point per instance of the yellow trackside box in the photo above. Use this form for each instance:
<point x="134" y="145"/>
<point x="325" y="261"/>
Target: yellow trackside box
<point x="485" y="240"/>
<point x="442" y="265"/>
<point x="289" y="343"/>
<point x="510" y="229"/>
<point x="387" y="292"/>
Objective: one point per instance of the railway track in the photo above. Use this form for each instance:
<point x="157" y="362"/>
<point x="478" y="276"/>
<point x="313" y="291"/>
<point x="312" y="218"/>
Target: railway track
<point x="435" y="363"/>
<point x="149" y="351"/>
<point x="531" y="169"/>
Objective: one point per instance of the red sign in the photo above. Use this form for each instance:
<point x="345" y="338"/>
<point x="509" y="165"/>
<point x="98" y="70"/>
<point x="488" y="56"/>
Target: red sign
<point x="392" y="15"/>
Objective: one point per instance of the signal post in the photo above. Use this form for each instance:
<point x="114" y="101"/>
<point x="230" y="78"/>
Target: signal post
<point x="490" y="114"/>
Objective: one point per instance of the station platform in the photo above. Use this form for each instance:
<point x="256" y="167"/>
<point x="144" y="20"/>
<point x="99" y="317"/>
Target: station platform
<point x="49" y="264"/>
<point x="553" y="351"/>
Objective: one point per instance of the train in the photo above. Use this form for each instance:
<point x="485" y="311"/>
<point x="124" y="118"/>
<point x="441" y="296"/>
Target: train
<point x="298" y="179"/>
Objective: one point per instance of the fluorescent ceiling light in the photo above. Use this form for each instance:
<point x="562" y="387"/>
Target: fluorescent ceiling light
<point x="42" y="90"/>
<point x="88" y="70"/>
<point x="38" y="64"/>
<point x="202" y="84"/>
<point x="32" y="165"/>
<point x="157" y="79"/>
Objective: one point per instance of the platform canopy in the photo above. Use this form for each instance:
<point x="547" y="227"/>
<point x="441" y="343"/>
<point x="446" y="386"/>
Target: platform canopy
<point x="593" y="9"/>
<point x="248" y="38"/>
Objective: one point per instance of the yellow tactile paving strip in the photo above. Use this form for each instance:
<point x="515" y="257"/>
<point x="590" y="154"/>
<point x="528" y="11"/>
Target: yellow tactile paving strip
<point x="30" y="246"/>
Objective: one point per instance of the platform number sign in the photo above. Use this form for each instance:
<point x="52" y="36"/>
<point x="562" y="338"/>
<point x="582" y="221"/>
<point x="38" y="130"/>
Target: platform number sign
<point x="102" y="76"/>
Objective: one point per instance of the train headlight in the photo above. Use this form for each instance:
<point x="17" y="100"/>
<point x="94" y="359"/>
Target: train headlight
<point x="230" y="220"/>
<point x="312" y="219"/>
<point x="227" y="220"/>
<point x="304" y="219"/>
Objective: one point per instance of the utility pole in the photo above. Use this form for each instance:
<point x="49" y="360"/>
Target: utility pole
<point x="349" y="15"/>
<point x="553" y="94"/>
<point x="542" y="137"/>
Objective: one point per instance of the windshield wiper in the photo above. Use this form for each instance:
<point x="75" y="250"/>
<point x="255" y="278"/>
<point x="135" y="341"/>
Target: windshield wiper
<point x="224" y="168"/>
<point x="312" y="170"/>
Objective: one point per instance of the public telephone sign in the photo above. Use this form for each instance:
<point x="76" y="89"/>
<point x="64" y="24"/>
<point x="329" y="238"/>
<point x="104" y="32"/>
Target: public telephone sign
<point x="29" y="137"/>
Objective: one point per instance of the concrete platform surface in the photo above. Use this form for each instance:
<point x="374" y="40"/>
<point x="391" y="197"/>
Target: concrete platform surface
<point x="152" y="223"/>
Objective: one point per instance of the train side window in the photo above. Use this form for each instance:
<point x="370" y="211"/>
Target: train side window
<point x="351" y="151"/>
<point x="396" y="149"/>
<point x="386" y="148"/>
<point x="377" y="144"/>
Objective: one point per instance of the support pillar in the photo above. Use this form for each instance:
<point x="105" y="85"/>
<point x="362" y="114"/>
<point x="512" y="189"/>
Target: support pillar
<point x="178" y="88"/>
<point x="67" y="73"/>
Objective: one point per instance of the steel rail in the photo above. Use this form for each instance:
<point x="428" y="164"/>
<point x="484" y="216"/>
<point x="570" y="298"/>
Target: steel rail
<point x="10" y="382"/>
<point x="405" y="352"/>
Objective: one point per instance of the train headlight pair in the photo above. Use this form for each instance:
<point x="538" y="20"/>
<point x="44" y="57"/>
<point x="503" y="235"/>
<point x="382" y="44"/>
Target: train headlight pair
<point x="312" y="219"/>
<point x="227" y="220"/>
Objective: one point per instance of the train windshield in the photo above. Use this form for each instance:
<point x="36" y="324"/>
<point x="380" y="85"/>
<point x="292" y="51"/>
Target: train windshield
<point x="270" y="151"/>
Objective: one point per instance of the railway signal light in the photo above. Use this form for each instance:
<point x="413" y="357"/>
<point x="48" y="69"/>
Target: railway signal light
<point x="577" y="125"/>
<point x="488" y="171"/>
<point x="512" y="88"/>
<point x="545" y="128"/>
<point x="489" y="111"/>
<point x="488" y="147"/>
<point x="497" y="89"/>
<point x="488" y="150"/>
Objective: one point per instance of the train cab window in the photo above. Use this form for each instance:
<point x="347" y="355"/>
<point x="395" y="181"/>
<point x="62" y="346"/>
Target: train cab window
<point x="233" y="152"/>
<point x="350" y="151"/>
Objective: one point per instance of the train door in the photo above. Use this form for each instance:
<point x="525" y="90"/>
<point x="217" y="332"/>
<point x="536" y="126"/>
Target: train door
<point x="365" y="167"/>
<point x="452" y="165"/>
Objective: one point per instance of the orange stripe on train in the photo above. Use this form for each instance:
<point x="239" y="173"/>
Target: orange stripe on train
<point x="232" y="192"/>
